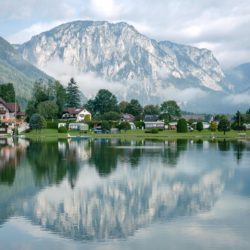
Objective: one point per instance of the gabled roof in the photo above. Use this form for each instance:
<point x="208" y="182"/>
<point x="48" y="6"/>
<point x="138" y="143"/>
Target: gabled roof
<point x="151" y="118"/>
<point x="73" y="111"/>
<point x="12" y="107"/>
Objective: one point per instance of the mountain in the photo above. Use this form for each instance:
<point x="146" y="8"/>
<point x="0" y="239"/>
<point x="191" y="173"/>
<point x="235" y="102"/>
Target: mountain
<point x="14" y="69"/>
<point x="239" y="77"/>
<point x="119" y="53"/>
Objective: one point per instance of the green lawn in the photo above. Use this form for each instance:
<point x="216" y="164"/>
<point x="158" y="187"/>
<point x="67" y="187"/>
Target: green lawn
<point x="167" y="134"/>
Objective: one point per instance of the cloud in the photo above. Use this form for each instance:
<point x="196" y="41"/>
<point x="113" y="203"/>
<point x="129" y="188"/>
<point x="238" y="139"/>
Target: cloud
<point x="89" y="83"/>
<point x="222" y="26"/>
<point x="183" y="97"/>
<point x="106" y="9"/>
<point x="238" y="99"/>
<point x="26" y="34"/>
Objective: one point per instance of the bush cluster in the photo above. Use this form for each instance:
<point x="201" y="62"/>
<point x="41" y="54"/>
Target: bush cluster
<point x="62" y="130"/>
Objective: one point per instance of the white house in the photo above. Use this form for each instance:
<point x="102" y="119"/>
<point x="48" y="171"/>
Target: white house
<point x="76" y="113"/>
<point x="82" y="114"/>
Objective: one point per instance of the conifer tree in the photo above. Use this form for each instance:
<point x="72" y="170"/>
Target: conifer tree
<point x="73" y="94"/>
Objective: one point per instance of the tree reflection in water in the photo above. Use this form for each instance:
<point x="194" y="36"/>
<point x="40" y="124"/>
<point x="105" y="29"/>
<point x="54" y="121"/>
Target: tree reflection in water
<point x="110" y="188"/>
<point x="11" y="154"/>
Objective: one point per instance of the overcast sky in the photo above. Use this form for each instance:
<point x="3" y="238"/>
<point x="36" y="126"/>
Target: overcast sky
<point x="220" y="25"/>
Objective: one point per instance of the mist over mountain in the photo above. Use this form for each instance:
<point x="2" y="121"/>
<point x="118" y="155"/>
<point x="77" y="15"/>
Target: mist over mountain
<point x="239" y="78"/>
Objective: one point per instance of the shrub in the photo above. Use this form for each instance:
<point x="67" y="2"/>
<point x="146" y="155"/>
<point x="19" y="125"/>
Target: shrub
<point x="62" y="130"/>
<point x="182" y="126"/>
<point x="213" y="126"/>
<point x="37" y="122"/>
<point x="139" y="124"/>
<point x="124" y="126"/>
<point x="105" y="125"/>
<point x="152" y="131"/>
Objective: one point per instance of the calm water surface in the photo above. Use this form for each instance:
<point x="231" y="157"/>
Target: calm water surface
<point x="112" y="194"/>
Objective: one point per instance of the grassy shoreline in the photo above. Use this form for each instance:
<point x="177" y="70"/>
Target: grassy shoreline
<point x="137" y="134"/>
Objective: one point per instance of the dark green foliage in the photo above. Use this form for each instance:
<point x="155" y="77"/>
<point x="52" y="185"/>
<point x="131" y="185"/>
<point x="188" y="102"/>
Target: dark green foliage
<point x="152" y="131"/>
<point x="60" y="96"/>
<point x="111" y="116"/>
<point x="37" y="122"/>
<point x="51" y="99"/>
<point x="124" y="126"/>
<point x="73" y="94"/>
<point x="182" y="126"/>
<point x="238" y="121"/>
<point x="224" y="125"/>
<point x="139" y="124"/>
<point x="62" y="130"/>
<point x="105" y="125"/>
<point x="213" y="126"/>
<point x="122" y="106"/>
<point x="151" y="110"/>
<point x="7" y="92"/>
<point x="48" y="109"/>
<point x="52" y="124"/>
<point x="134" y="108"/>
<point x="40" y="93"/>
<point x="199" y="126"/>
<point x="170" y="111"/>
<point x="105" y="102"/>
<point x="51" y="107"/>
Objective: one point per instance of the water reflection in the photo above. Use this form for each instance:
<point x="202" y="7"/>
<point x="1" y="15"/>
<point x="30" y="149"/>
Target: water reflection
<point x="11" y="153"/>
<point x="102" y="189"/>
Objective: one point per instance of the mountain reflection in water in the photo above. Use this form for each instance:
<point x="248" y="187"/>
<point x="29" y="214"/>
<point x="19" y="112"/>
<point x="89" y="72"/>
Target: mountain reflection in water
<point x="103" y="189"/>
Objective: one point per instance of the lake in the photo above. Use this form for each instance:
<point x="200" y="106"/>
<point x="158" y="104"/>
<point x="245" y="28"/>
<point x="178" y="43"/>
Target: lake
<point x="113" y="194"/>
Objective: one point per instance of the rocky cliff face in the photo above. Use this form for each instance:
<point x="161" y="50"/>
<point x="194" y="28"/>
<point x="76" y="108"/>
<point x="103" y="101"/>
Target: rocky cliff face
<point x="119" y="53"/>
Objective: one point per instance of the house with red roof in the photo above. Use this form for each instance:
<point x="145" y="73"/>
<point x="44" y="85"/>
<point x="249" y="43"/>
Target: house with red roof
<point x="10" y="112"/>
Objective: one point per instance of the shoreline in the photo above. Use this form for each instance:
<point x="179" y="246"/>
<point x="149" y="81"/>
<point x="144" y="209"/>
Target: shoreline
<point x="48" y="134"/>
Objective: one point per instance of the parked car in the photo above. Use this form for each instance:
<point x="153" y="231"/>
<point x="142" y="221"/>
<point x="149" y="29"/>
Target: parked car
<point x="101" y="131"/>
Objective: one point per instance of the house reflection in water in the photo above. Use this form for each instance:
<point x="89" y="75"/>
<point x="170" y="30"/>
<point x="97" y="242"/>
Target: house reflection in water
<point x="10" y="156"/>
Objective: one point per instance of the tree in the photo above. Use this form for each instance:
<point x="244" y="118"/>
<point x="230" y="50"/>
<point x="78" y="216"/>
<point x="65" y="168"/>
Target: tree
<point x="122" y="106"/>
<point x="60" y="96"/>
<point x="224" y="125"/>
<point x="111" y="116"/>
<point x="124" y="126"/>
<point x="170" y="110"/>
<point x="247" y="116"/>
<point x="73" y="94"/>
<point x="182" y="126"/>
<point x="213" y="126"/>
<point x="151" y="110"/>
<point x="199" y="126"/>
<point x="37" y="122"/>
<point x="48" y="109"/>
<point x="7" y="92"/>
<point x="134" y="108"/>
<point x="105" y="102"/>
<point x="238" y="121"/>
<point x="39" y="93"/>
